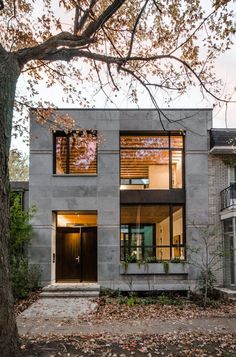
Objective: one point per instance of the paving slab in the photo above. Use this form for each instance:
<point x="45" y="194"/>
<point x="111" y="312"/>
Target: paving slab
<point x="60" y="308"/>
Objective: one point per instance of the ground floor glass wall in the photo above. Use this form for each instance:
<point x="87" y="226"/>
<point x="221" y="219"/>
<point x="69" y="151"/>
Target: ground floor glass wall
<point x="152" y="233"/>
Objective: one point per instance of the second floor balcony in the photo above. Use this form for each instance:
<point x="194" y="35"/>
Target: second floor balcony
<point x="228" y="197"/>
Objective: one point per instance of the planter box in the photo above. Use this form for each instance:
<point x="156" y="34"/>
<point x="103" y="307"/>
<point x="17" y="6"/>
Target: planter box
<point x="155" y="268"/>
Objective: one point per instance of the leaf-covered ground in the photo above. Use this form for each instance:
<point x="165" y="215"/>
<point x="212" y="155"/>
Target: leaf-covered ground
<point x="133" y="312"/>
<point x="114" y="309"/>
<point x="172" y="345"/>
<point x="23" y="304"/>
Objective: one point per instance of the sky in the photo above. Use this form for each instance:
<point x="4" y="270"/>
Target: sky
<point x="225" y="68"/>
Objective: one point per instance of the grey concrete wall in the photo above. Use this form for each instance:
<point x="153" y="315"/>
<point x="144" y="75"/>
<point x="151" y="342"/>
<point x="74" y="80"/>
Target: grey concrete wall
<point x="101" y="193"/>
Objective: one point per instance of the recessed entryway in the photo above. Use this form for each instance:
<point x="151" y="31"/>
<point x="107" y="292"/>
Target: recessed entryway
<point x="76" y="247"/>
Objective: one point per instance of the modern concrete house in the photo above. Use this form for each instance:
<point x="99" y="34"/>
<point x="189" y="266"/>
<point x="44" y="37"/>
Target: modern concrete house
<point x="132" y="186"/>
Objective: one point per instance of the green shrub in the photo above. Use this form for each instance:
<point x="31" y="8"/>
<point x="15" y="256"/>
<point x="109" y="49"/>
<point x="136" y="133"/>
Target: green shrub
<point x="110" y="293"/>
<point x="207" y="281"/>
<point x="24" y="278"/>
<point x="34" y="273"/>
<point x="167" y="299"/>
<point x="19" y="277"/>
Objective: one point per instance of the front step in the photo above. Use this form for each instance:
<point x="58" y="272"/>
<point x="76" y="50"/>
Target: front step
<point x="71" y="290"/>
<point x="227" y="293"/>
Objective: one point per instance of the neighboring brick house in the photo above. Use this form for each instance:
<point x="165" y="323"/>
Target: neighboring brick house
<point x="222" y="198"/>
<point x="139" y="193"/>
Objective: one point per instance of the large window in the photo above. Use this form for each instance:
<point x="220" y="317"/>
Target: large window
<point x="152" y="232"/>
<point x="75" y="153"/>
<point x="151" y="161"/>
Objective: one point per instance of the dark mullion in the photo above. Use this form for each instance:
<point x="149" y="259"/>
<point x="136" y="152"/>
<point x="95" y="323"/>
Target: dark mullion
<point x="129" y="239"/>
<point x="54" y="154"/>
<point x="170" y="166"/>
<point x="171" y="229"/>
<point x="184" y="231"/>
<point x="183" y="163"/>
<point x="68" y="154"/>
<point x="81" y="255"/>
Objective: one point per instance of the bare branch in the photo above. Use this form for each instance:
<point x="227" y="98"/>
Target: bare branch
<point x="159" y="111"/>
<point x="157" y="6"/>
<point x="135" y="27"/>
<point x="111" y="42"/>
<point x="66" y="46"/>
<point x="111" y="76"/>
<point x="190" y="36"/>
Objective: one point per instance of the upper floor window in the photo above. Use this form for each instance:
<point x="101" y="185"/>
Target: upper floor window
<point x="151" y="161"/>
<point x="75" y="153"/>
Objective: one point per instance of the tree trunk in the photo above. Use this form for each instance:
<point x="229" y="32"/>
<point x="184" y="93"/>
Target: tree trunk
<point x="9" y="73"/>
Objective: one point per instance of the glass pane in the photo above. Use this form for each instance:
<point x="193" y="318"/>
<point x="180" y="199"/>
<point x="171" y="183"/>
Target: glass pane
<point x="177" y="169"/>
<point x="177" y="233"/>
<point x="228" y="225"/>
<point x="83" y="155"/>
<point x="144" y="141"/>
<point x="163" y="253"/>
<point x="145" y="168"/>
<point x="136" y="239"/>
<point x="76" y="219"/>
<point x="149" y="226"/>
<point x="176" y="141"/>
<point x="61" y="155"/>
<point x="149" y="252"/>
<point x="232" y="265"/>
<point x="232" y="174"/>
<point x="178" y="253"/>
<point x="136" y="252"/>
<point x="163" y="233"/>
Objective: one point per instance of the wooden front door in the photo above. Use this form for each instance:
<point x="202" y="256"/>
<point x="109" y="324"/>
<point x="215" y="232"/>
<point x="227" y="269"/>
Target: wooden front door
<point x="76" y="254"/>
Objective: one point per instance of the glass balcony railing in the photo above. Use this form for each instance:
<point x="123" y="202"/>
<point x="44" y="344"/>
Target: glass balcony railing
<point x="228" y="196"/>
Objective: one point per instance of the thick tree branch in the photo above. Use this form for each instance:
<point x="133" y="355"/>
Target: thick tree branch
<point x="77" y="15"/>
<point x="94" y="26"/>
<point x="80" y="24"/>
<point x="64" y="40"/>
<point x="1" y="5"/>
<point x="66" y="46"/>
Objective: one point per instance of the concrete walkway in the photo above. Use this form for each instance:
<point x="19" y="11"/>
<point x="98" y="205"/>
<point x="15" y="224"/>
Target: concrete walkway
<point x="56" y="326"/>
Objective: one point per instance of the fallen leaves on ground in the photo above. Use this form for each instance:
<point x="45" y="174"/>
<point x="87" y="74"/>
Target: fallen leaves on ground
<point x="22" y="305"/>
<point x="172" y="345"/>
<point x="112" y="310"/>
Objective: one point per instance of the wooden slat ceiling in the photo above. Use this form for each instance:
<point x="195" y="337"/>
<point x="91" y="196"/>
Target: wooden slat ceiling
<point x="135" y="163"/>
<point x="144" y="141"/>
<point x="146" y="214"/>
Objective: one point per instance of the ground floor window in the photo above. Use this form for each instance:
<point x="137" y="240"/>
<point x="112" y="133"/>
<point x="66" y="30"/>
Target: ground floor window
<point x="152" y="232"/>
<point x="229" y="247"/>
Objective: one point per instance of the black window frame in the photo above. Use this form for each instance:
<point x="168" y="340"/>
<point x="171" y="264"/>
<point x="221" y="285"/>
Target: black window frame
<point x="170" y="149"/>
<point x="67" y="136"/>
<point x="156" y="246"/>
